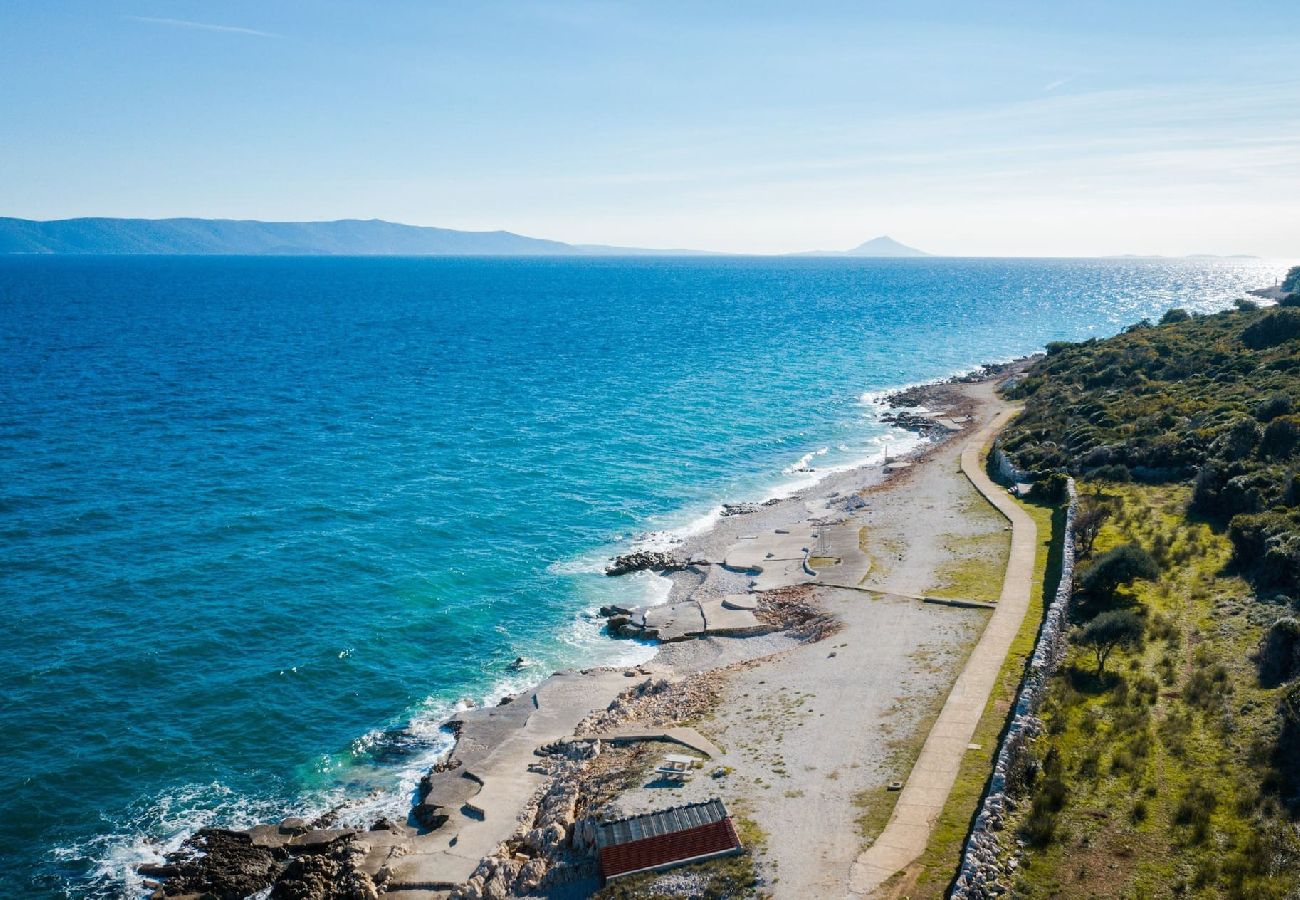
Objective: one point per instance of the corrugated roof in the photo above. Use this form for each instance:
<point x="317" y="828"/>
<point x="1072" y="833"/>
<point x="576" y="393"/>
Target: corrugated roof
<point x="675" y="848"/>
<point x="665" y="821"/>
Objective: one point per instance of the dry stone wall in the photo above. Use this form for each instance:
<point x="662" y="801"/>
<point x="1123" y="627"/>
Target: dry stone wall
<point x="989" y="859"/>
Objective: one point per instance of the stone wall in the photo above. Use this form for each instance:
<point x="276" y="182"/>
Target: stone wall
<point x="1003" y="471"/>
<point x="989" y="858"/>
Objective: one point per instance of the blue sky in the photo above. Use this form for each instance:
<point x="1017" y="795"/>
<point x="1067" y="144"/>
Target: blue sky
<point x="1038" y="128"/>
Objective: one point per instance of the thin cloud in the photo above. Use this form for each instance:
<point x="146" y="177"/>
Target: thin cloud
<point x="1054" y="85"/>
<point x="203" y="26"/>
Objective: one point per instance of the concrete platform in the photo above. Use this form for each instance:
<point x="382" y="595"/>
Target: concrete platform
<point x="720" y="619"/>
<point x="675" y="622"/>
<point x="496" y="747"/>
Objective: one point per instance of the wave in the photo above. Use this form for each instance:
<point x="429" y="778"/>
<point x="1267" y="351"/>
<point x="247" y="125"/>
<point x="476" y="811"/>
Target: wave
<point x="392" y="761"/>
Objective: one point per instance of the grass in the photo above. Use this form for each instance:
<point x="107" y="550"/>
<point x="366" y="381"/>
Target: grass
<point x="874" y="805"/>
<point x="977" y="562"/>
<point x="1156" y="776"/>
<point x="938" y="864"/>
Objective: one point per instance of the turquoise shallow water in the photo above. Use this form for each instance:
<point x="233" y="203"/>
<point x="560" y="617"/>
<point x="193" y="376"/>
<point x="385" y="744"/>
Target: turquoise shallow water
<point x="254" y="513"/>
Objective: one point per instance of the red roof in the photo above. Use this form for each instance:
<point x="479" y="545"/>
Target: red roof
<point x="674" y="848"/>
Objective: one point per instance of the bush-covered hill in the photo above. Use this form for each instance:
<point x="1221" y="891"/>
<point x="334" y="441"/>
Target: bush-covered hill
<point x="1291" y="284"/>
<point x="1214" y="399"/>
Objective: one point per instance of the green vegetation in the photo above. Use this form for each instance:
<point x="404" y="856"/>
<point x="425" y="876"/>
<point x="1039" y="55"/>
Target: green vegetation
<point x="1167" y="775"/>
<point x="1204" y="397"/>
<point x="977" y="559"/>
<point x="1112" y="629"/>
<point x="1291" y="284"/>
<point x="1170" y="761"/>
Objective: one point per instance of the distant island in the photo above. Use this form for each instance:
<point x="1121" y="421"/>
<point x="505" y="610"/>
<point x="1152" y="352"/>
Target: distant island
<point x="344" y="237"/>
<point x="883" y="247"/>
<point x="243" y="237"/>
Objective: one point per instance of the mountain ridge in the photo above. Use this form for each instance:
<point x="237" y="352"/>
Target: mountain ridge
<point x="253" y="237"/>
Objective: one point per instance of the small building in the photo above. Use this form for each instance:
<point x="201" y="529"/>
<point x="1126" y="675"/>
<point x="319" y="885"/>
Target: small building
<point x="666" y="839"/>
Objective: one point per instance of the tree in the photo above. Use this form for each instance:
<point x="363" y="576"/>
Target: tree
<point x="1087" y="525"/>
<point x="1116" y="568"/>
<point x="1117" y="628"/>
<point x="1174" y="316"/>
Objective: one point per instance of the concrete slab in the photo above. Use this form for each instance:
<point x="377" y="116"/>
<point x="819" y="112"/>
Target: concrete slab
<point x="719" y="619"/>
<point x="676" y="622"/>
<point x="448" y="855"/>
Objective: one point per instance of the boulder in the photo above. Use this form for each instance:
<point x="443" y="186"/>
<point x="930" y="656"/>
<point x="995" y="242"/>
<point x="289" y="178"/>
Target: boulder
<point x="639" y="560"/>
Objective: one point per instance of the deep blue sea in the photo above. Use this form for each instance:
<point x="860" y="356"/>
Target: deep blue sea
<point x="255" y="513"/>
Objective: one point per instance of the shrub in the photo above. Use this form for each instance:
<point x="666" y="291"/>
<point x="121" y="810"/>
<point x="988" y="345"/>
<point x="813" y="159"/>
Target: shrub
<point x="1052" y="489"/>
<point x="1116" y="568"/>
<point x="1267" y="544"/>
<point x="1272" y="407"/>
<point x="1278" y="656"/>
<point x="1194" y="809"/>
<point x="1113" y="472"/>
<point x="1281" y="437"/>
<point x="1174" y="316"/>
<point x="1275" y="328"/>
<point x="1239" y="441"/>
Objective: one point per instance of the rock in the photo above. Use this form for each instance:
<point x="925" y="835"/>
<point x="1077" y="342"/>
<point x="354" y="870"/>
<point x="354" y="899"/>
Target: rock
<point x="158" y="870"/>
<point x="584" y="834"/>
<point x="530" y="876"/>
<point x="309" y="877"/>
<point x="521" y="662"/>
<point x="472" y="889"/>
<point x="854" y="503"/>
<point x="293" y="825"/>
<point x="224" y="864"/>
<point x="497" y="887"/>
<point x="356" y="886"/>
<point x="639" y="560"/>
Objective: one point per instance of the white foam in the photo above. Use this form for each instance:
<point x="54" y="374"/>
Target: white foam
<point x="115" y="857"/>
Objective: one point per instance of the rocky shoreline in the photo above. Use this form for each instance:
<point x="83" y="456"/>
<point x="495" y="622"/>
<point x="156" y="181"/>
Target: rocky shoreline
<point x="550" y="843"/>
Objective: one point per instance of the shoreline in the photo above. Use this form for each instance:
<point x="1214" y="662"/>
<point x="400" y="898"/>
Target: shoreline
<point x="557" y="705"/>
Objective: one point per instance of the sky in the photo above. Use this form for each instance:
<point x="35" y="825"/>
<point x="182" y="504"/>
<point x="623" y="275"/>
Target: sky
<point x="994" y="128"/>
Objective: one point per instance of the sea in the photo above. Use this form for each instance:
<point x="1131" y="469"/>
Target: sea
<point x="266" y="522"/>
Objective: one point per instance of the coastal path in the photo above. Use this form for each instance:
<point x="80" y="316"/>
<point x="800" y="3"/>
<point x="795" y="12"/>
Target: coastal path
<point x="907" y="833"/>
